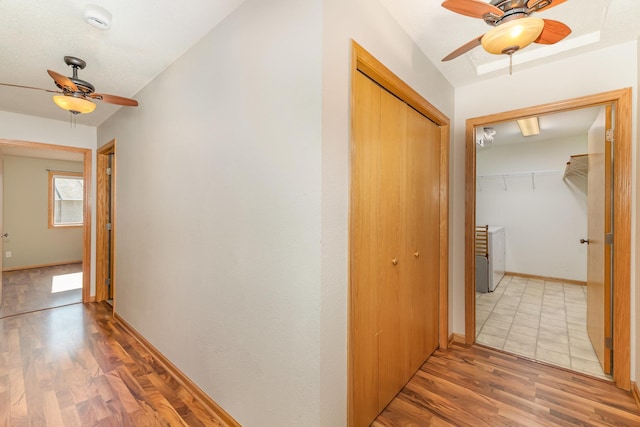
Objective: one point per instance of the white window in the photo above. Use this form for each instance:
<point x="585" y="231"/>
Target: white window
<point x="66" y="193"/>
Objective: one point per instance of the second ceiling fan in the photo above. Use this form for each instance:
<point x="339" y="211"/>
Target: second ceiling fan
<point x="513" y="27"/>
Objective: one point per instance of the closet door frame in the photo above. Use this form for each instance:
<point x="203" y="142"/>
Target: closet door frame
<point x="364" y="62"/>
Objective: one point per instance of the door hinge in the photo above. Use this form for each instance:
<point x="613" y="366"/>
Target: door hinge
<point x="108" y="226"/>
<point x="107" y="281"/>
<point x="610" y="135"/>
<point x="608" y="238"/>
<point x="108" y="171"/>
<point x="608" y="343"/>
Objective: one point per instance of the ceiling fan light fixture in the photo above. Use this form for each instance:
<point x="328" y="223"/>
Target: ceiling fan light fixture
<point x="529" y="126"/>
<point x="74" y="104"/>
<point x="512" y="36"/>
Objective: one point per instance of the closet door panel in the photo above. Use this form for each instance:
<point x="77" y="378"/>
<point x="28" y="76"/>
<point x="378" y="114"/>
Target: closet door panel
<point x="415" y="235"/>
<point x="431" y="259"/>
<point x="366" y="268"/>
<point x="394" y="339"/>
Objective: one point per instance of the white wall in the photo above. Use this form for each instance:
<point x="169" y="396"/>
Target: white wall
<point x="232" y="204"/>
<point x="25" y="215"/>
<point x="611" y="68"/>
<point x="20" y="127"/>
<point x="218" y="212"/>
<point x="544" y="219"/>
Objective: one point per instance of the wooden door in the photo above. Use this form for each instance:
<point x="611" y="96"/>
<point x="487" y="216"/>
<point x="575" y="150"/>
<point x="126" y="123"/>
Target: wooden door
<point x="365" y="267"/>
<point x="599" y="202"/>
<point x="394" y="264"/>
<point x="422" y="231"/>
<point x="105" y="227"/>
<point x="393" y="296"/>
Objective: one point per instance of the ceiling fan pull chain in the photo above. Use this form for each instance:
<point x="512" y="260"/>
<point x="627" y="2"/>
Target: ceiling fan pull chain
<point x="511" y="64"/>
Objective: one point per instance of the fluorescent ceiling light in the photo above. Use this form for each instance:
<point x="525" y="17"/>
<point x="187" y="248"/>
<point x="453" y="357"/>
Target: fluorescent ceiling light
<point x="529" y="126"/>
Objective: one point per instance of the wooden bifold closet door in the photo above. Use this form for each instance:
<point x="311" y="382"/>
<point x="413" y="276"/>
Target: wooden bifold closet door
<point x="394" y="246"/>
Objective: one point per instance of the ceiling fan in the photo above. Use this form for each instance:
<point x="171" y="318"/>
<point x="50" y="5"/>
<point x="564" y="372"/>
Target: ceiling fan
<point x="75" y="95"/>
<point x="513" y="27"/>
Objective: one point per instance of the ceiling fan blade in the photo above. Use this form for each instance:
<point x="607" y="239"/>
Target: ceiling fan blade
<point x="538" y="5"/>
<point x="472" y="8"/>
<point x="463" y="49"/>
<point x="553" y="32"/>
<point x="31" y="87"/>
<point x="113" y="99"/>
<point x="62" y="81"/>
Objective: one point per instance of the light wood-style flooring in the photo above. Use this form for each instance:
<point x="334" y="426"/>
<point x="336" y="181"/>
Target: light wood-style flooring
<point x="477" y="386"/>
<point x="40" y="288"/>
<point x="75" y="366"/>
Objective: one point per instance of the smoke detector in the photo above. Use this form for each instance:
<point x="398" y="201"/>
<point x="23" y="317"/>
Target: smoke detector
<point x="98" y="17"/>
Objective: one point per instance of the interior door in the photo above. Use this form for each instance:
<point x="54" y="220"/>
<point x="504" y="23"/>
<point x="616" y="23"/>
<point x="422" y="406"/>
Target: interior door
<point x="422" y="234"/>
<point x="394" y="247"/>
<point x="599" y="202"/>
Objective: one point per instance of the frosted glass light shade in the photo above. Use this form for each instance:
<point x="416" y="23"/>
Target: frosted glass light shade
<point x="73" y="104"/>
<point x="512" y="36"/>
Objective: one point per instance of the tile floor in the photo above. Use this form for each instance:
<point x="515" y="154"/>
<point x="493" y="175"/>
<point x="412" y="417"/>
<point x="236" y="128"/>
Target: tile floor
<point x="542" y="320"/>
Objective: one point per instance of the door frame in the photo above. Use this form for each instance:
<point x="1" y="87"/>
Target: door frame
<point x="86" y="226"/>
<point x="102" y="208"/>
<point x="622" y="101"/>
<point x="363" y="61"/>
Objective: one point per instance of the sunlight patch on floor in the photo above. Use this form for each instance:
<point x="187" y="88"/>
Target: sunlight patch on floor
<point x="66" y="282"/>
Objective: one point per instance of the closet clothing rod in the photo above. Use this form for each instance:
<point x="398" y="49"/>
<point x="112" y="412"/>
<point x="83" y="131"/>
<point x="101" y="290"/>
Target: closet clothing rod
<point x="507" y="175"/>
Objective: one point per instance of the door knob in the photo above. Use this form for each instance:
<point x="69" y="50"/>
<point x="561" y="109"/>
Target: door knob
<point x="416" y="254"/>
<point x="394" y="261"/>
<point x="4" y="235"/>
<point x="583" y="241"/>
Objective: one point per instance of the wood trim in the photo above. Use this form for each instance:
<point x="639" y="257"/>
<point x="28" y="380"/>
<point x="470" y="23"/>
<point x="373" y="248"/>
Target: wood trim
<point x="363" y="61"/>
<point x="29" y="267"/>
<point x="635" y="391"/>
<point x="86" y="230"/>
<point x="456" y="339"/>
<point x="546" y="279"/>
<point x="204" y="399"/>
<point x="621" y="100"/>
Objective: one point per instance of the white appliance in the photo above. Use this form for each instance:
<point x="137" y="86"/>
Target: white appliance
<point x="496" y="256"/>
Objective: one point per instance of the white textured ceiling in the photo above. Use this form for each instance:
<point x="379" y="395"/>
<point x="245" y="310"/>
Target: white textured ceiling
<point x="438" y="31"/>
<point x="146" y="36"/>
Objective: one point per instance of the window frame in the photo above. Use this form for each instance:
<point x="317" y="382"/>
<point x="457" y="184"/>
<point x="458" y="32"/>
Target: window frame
<point x="51" y="199"/>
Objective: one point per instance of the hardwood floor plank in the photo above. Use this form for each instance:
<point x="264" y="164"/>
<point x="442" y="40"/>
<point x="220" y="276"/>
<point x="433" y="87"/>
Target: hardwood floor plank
<point x="476" y="386"/>
<point x="75" y="366"/>
<point x="29" y="290"/>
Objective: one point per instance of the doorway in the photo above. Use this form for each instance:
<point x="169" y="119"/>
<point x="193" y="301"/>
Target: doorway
<point x="105" y="223"/>
<point x="621" y="102"/>
<point x="61" y="279"/>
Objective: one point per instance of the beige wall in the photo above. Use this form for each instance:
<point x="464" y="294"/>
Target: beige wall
<point x="25" y="214"/>
<point x="20" y="127"/>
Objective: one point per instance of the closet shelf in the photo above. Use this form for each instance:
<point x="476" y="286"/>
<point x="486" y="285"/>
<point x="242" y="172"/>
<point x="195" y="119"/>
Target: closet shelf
<point x="578" y="165"/>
